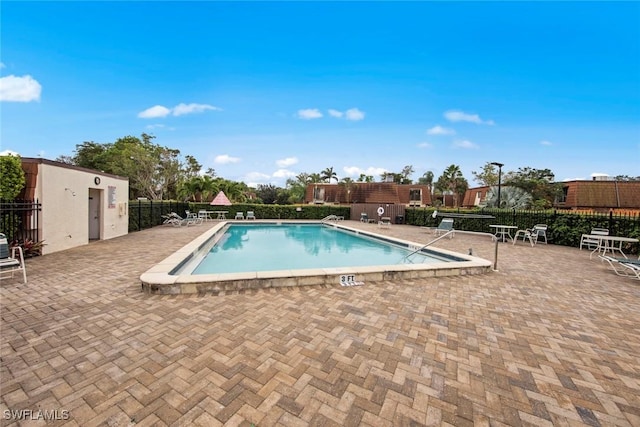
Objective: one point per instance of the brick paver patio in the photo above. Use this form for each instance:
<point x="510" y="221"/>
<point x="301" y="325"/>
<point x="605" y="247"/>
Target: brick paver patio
<point x="552" y="338"/>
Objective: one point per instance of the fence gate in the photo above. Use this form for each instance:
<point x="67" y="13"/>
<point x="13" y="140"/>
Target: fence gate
<point x="20" y="219"/>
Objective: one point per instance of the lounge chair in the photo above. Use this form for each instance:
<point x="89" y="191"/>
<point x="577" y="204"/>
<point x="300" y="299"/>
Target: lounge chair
<point x="592" y="242"/>
<point x="533" y="234"/>
<point x="178" y="221"/>
<point x="622" y="266"/>
<point x="239" y="215"/>
<point x="9" y="264"/>
<point x="250" y="215"/>
<point x="385" y="222"/>
<point x="444" y="227"/>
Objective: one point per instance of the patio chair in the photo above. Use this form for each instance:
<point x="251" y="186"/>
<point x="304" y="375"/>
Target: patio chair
<point x="178" y="221"/>
<point x="195" y="219"/>
<point x="239" y="215"/>
<point x="591" y="242"/>
<point x="10" y="264"/>
<point x="445" y="226"/>
<point x="250" y="215"/>
<point x="533" y="234"/>
<point x="622" y="266"/>
<point x="364" y="217"/>
<point x="385" y="222"/>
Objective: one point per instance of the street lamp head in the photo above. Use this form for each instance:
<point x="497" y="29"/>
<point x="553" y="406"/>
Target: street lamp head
<point x="497" y="164"/>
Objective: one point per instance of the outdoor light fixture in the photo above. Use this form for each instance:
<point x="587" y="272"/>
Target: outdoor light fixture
<point x="73" y="193"/>
<point x="499" y="165"/>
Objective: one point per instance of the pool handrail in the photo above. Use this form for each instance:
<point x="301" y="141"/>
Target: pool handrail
<point x="493" y="237"/>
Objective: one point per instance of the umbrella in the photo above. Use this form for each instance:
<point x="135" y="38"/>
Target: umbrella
<point x="221" y="200"/>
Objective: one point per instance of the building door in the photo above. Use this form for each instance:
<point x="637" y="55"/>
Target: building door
<point x="94" y="214"/>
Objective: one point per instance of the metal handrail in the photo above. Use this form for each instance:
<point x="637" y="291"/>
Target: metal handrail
<point x="329" y="218"/>
<point x="479" y="233"/>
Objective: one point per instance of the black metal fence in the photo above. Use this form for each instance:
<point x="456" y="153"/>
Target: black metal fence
<point x="148" y="213"/>
<point x="565" y="227"/>
<point x="20" y="219"/>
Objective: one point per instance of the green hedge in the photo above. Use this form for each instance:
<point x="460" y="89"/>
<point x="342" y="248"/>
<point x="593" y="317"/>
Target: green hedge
<point x="262" y="211"/>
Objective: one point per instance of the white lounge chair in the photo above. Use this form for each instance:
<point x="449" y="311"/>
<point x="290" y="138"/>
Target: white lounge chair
<point x="10" y="264"/>
<point x="622" y="266"/>
<point x="250" y="215"/>
<point x="385" y="222"/>
<point x="533" y="234"/>
<point x="239" y="215"/>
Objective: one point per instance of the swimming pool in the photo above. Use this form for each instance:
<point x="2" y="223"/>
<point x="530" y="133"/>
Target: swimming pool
<point x="250" y="247"/>
<point x="268" y="254"/>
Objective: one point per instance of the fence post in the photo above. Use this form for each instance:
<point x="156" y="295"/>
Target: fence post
<point x="139" y="215"/>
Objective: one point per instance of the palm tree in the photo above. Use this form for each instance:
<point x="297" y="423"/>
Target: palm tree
<point x="453" y="181"/>
<point x="328" y="174"/>
<point x="347" y="183"/>
<point x="427" y="179"/>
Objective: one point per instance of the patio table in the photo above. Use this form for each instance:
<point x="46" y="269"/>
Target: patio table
<point x="220" y="214"/>
<point x="503" y="232"/>
<point x="610" y="243"/>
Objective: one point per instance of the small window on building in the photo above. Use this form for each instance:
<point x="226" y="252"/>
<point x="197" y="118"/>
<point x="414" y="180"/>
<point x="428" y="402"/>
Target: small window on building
<point x="562" y="198"/>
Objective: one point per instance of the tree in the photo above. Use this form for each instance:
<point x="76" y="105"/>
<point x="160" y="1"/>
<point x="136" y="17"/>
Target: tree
<point x="365" y="178"/>
<point x="13" y="179"/>
<point x="427" y="179"/>
<point x="537" y="182"/>
<point x="407" y="171"/>
<point x="626" y="178"/>
<point x="315" y="178"/>
<point x="487" y="176"/>
<point x="297" y="187"/>
<point x="453" y="182"/>
<point x="268" y="193"/>
<point x="510" y="198"/>
<point x="328" y="174"/>
<point x="347" y="184"/>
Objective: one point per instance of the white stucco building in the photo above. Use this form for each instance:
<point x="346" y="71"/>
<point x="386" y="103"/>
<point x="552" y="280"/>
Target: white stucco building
<point x="78" y="204"/>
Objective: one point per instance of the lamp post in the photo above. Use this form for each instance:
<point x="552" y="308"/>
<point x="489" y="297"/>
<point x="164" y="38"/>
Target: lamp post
<point x="499" y="165"/>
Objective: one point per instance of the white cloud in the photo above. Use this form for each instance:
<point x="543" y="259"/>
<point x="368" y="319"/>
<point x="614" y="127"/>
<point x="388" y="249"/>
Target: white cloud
<point x="179" y="110"/>
<point x="253" y="179"/>
<point x="154" y="112"/>
<point x="335" y="113"/>
<point x="19" y="89"/>
<point x="354" y="171"/>
<point x="461" y="116"/>
<point x="283" y="173"/>
<point x="425" y="145"/>
<point x="309" y="113"/>
<point x="289" y="161"/>
<point x="439" y="130"/>
<point x="546" y="143"/>
<point x="354" y="114"/>
<point x="9" y="153"/>
<point x="466" y="144"/>
<point x="224" y="159"/>
<point x="182" y="109"/>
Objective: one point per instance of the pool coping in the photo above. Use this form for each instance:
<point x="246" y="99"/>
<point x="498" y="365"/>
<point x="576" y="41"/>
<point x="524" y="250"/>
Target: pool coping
<point x="160" y="280"/>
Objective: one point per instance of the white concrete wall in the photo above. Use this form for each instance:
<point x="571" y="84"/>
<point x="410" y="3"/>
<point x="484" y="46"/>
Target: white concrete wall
<point x="64" y="195"/>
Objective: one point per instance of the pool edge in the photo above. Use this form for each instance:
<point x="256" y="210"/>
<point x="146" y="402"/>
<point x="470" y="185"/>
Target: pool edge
<point x="159" y="280"/>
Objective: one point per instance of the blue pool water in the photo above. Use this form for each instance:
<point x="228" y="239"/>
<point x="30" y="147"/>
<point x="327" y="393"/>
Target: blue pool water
<point x="268" y="247"/>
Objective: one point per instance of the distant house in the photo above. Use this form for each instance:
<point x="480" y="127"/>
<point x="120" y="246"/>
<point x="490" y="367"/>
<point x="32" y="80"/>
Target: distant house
<point x="596" y="195"/>
<point x="369" y="192"/>
<point x="475" y="196"/>
<point x="77" y="204"/>
<point x="599" y="195"/>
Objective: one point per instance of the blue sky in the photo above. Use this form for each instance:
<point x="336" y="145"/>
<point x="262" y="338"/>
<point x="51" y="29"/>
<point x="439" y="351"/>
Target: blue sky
<point x="261" y="91"/>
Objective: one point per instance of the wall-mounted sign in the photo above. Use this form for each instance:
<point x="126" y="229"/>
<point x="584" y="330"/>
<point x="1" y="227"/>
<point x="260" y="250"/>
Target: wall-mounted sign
<point x="111" y="197"/>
